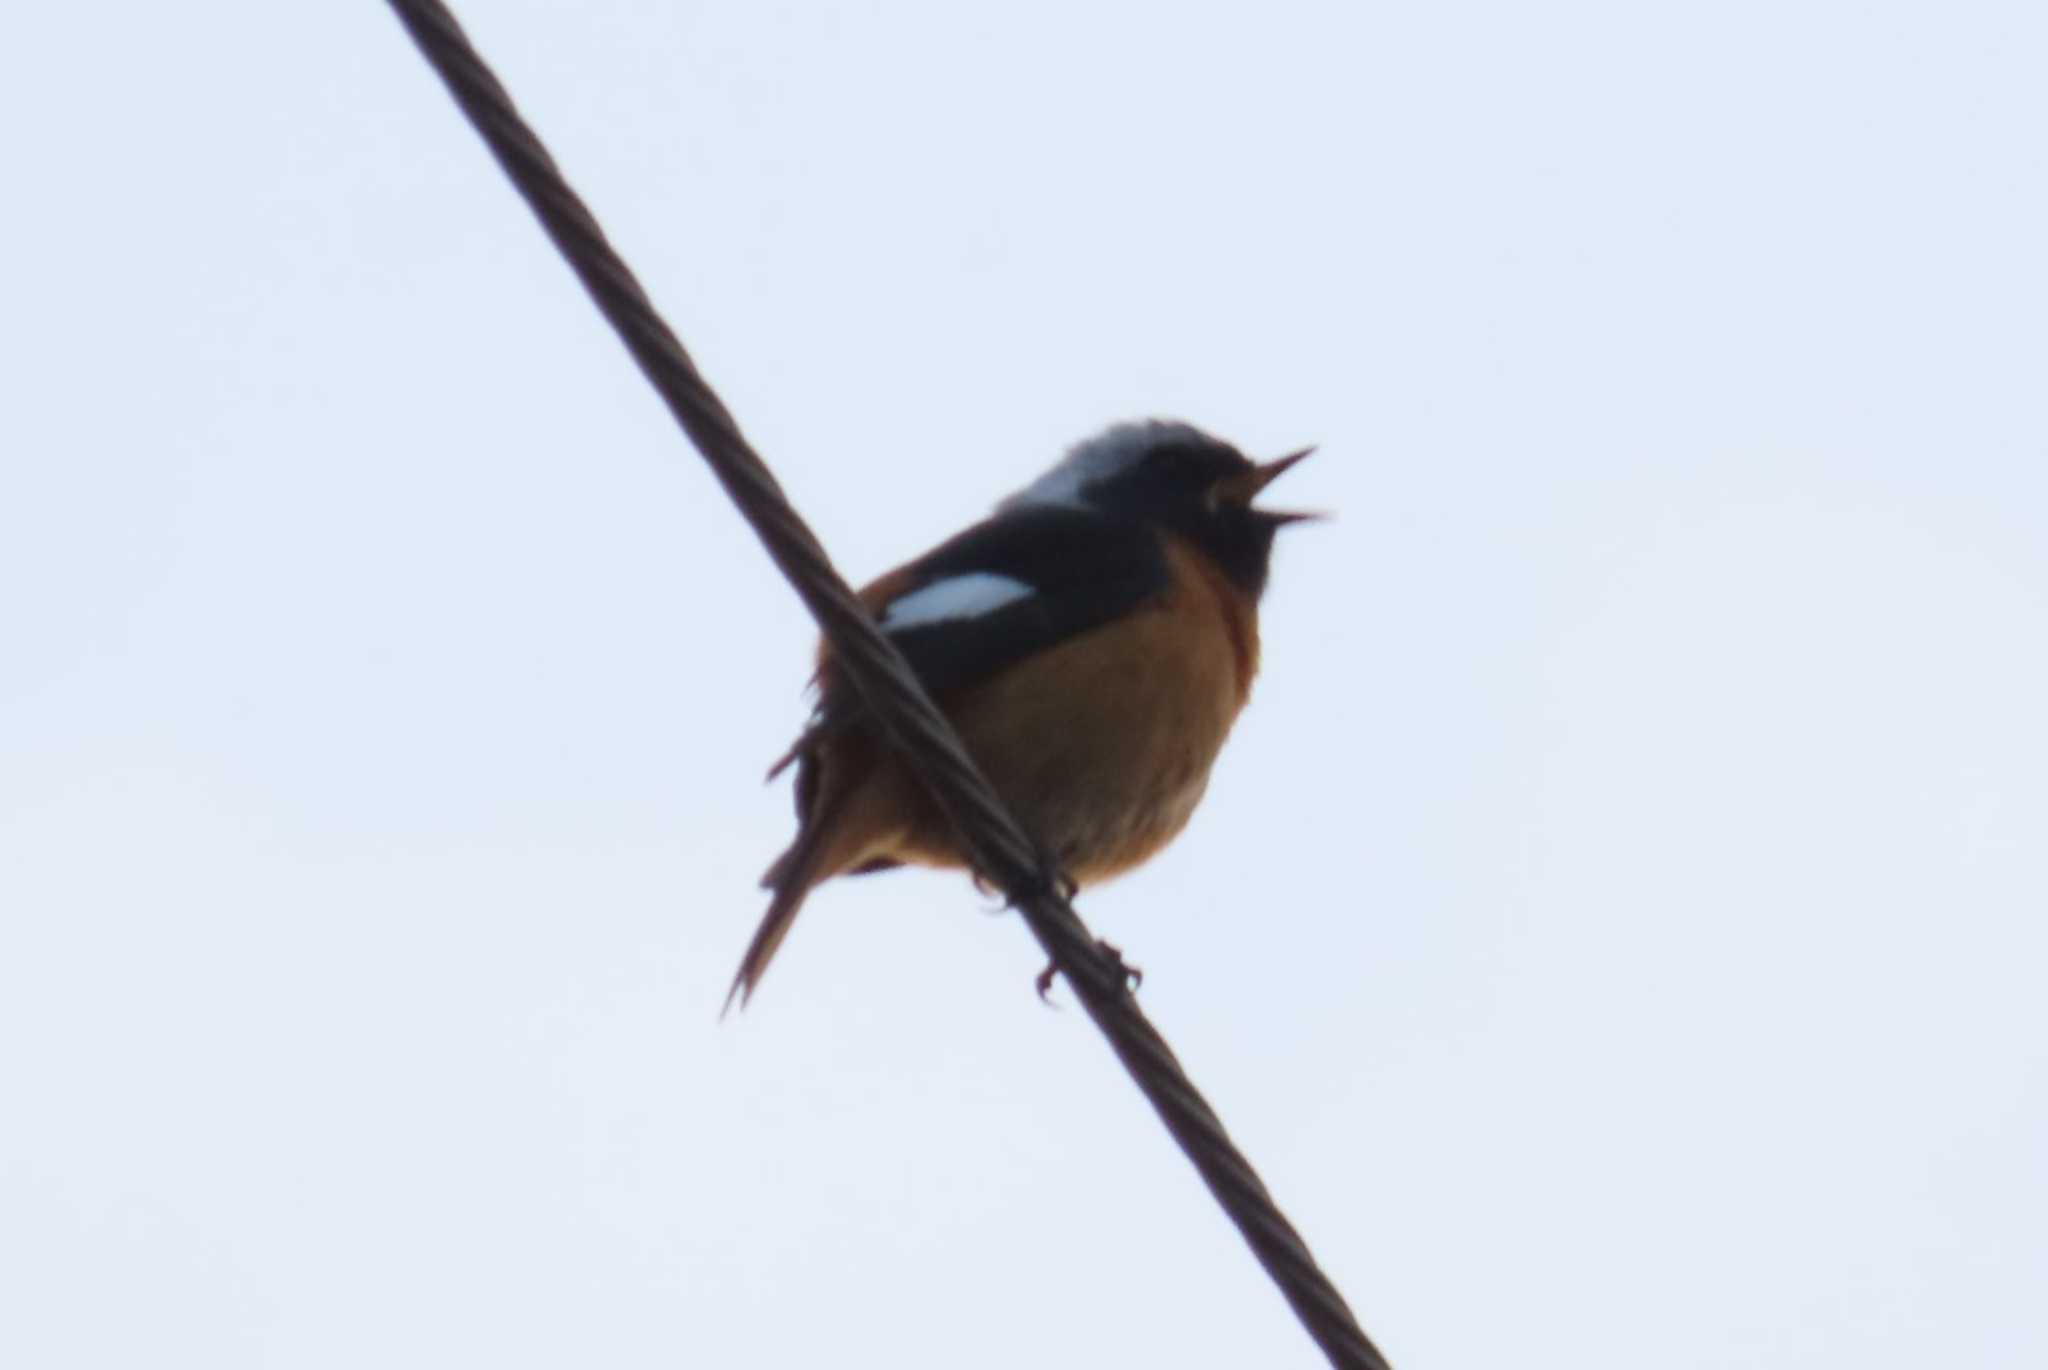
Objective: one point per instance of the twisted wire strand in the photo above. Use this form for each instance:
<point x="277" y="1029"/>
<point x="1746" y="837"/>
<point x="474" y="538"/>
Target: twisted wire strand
<point x="999" y="849"/>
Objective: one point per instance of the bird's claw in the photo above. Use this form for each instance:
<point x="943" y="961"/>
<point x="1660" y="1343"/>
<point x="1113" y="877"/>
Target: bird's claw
<point x="1132" y="977"/>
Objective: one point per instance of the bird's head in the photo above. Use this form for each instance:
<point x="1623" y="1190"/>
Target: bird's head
<point x="1177" y="478"/>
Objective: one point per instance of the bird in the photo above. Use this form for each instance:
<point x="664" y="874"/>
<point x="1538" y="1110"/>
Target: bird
<point x="1092" y="642"/>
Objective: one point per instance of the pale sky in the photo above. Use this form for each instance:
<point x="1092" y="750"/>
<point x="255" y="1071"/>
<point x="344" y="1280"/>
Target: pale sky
<point x="1616" y="929"/>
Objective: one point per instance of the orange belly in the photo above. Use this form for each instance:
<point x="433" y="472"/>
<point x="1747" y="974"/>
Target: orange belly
<point x="1102" y="745"/>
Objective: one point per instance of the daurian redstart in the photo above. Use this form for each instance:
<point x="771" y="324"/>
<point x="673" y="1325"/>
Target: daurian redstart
<point x="1092" y="642"/>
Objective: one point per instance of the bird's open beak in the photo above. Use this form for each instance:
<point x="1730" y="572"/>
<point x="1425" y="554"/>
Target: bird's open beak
<point x="1244" y="489"/>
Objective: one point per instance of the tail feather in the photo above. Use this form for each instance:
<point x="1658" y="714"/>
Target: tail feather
<point x="831" y="840"/>
<point x="775" y="924"/>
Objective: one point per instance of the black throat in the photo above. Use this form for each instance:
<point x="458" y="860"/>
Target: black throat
<point x="1238" y="540"/>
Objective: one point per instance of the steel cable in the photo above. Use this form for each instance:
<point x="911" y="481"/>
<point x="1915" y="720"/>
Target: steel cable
<point x="1000" y="850"/>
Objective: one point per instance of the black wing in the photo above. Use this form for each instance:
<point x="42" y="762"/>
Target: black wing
<point x="1084" y="569"/>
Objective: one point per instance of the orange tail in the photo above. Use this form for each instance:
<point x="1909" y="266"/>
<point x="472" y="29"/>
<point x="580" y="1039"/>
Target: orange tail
<point x="833" y="839"/>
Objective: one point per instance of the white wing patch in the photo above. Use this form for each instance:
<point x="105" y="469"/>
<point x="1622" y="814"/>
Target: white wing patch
<point x="956" y="597"/>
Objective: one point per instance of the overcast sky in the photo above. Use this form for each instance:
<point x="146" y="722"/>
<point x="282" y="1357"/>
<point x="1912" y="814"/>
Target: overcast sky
<point x="1616" y="929"/>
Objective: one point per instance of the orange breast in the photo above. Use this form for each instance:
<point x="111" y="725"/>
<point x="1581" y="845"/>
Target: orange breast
<point x="1102" y="745"/>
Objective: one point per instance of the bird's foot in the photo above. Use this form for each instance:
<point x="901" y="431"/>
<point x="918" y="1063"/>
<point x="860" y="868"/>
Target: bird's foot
<point x="1133" y="978"/>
